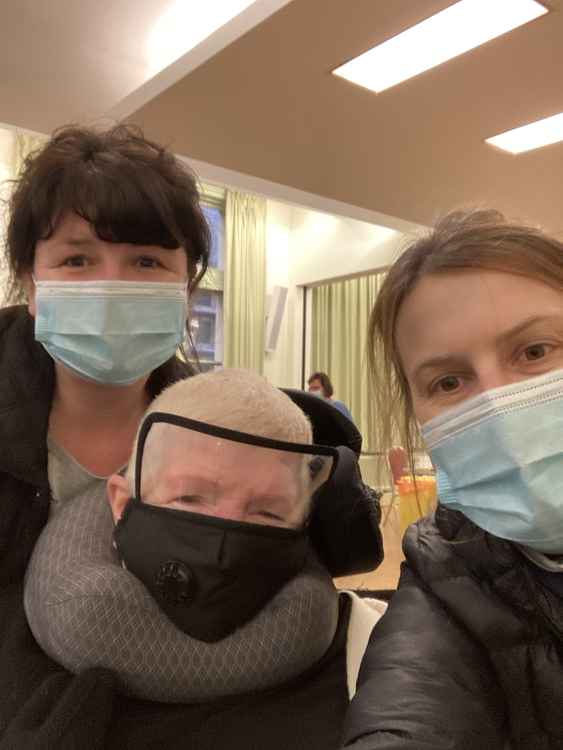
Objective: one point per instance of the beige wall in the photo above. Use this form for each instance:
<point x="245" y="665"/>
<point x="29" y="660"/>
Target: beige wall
<point x="326" y="247"/>
<point x="306" y="247"/>
<point x="282" y="366"/>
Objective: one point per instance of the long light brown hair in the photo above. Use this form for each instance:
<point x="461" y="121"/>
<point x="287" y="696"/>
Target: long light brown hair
<point x="462" y="240"/>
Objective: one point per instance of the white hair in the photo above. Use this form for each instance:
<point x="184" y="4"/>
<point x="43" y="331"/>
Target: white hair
<point x="238" y="400"/>
<point x="234" y="399"/>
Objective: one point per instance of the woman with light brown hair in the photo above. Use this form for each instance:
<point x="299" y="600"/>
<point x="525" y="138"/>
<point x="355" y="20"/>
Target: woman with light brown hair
<point x="466" y="342"/>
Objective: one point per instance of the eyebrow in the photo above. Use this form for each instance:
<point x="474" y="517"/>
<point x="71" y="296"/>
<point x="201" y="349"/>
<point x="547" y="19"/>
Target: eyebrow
<point x="274" y="499"/>
<point x="527" y="323"/>
<point x="176" y="483"/>
<point x="79" y="241"/>
<point x="437" y="362"/>
<point x="449" y="359"/>
<point x="90" y="241"/>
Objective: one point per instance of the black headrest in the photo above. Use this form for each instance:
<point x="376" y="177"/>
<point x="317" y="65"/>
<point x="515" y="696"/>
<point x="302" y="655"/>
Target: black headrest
<point x="344" y="523"/>
<point x="330" y="426"/>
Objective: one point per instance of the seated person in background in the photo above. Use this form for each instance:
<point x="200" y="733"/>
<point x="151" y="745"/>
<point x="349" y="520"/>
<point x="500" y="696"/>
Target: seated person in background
<point x="468" y="330"/>
<point x="221" y="606"/>
<point x="320" y="385"/>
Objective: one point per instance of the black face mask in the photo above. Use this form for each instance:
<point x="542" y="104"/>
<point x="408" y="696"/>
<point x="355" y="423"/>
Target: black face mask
<point x="211" y="575"/>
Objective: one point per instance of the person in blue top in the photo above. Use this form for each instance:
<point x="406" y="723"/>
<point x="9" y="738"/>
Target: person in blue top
<point x="319" y="384"/>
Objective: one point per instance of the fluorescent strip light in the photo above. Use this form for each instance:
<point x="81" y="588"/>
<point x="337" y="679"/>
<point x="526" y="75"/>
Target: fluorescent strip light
<point x="184" y="25"/>
<point x="453" y="31"/>
<point x="536" y="134"/>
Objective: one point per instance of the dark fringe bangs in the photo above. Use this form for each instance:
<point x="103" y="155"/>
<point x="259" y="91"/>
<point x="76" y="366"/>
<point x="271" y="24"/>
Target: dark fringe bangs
<point x="115" y="202"/>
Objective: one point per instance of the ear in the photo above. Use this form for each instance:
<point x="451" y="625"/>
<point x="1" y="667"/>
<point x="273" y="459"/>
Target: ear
<point x="118" y="495"/>
<point x="29" y="287"/>
<point x="322" y="475"/>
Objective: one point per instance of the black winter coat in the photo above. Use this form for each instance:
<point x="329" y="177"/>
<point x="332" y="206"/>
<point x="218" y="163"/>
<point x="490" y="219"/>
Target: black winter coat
<point x="469" y="655"/>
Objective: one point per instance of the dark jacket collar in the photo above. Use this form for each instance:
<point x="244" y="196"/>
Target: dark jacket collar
<point x="26" y="391"/>
<point x="448" y="545"/>
<point x="27" y="381"/>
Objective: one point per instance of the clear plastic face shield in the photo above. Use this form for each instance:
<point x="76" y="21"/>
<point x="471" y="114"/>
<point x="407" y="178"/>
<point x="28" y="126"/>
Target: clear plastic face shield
<point x="216" y="525"/>
<point x="191" y="466"/>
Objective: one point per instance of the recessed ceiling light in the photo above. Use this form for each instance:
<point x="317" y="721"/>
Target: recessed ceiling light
<point x="453" y="31"/>
<point x="536" y="134"/>
<point x="183" y="25"/>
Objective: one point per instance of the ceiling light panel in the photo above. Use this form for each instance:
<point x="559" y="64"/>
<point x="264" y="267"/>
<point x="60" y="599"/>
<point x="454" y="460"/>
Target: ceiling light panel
<point x="184" y="25"/>
<point x="455" y="30"/>
<point x="535" y="135"/>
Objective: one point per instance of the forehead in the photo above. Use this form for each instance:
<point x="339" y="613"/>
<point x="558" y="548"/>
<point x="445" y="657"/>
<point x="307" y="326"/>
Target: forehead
<point x="70" y="225"/>
<point x="182" y="452"/>
<point x="462" y="311"/>
<point x="72" y="231"/>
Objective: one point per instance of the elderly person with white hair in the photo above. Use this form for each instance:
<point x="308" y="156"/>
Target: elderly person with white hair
<point x="211" y="599"/>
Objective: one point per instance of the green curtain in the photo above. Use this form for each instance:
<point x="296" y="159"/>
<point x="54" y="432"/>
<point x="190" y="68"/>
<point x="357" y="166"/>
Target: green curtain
<point x="25" y="144"/>
<point x="213" y="280"/>
<point x="15" y="147"/>
<point x="244" y="281"/>
<point x="340" y="316"/>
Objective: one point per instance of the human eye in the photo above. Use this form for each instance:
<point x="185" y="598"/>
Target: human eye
<point x="446" y="384"/>
<point x="535" y="352"/>
<point x="188" y="500"/>
<point x="183" y="502"/>
<point x="148" y="261"/>
<point x="269" y="516"/>
<point x="74" y="261"/>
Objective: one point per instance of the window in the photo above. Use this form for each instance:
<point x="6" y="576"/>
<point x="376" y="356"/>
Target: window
<point x="207" y="328"/>
<point x="215" y="216"/>
<point x="207" y="303"/>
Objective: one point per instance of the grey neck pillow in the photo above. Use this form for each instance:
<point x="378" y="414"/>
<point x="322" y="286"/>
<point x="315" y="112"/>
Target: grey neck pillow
<point x="85" y="610"/>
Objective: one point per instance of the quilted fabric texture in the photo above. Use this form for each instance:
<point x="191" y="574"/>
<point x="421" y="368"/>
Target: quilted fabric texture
<point x="85" y="610"/>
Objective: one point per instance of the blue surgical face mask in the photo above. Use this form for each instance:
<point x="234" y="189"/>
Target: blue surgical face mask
<point x="111" y="332"/>
<point x="499" y="461"/>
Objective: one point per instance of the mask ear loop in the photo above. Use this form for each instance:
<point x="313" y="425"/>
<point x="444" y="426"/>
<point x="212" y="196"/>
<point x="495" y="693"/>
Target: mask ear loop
<point x="145" y="427"/>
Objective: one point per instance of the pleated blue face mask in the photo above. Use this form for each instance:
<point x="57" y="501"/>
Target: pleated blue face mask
<point x="499" y="461"/>
<point x="111" y="332"/>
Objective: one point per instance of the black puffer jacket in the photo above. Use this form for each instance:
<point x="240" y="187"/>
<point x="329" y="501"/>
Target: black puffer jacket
<point x="469" y="655"/>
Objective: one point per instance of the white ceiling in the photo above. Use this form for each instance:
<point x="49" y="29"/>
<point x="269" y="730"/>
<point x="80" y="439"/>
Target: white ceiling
<point x="67" y="61"/>
<point x="268" y="106"/>
<point x="257" y="98"/>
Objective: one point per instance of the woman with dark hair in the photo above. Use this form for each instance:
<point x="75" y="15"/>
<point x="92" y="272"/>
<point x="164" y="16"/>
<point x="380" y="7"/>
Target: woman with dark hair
<point x="105" y="241"/>
<point x="468" y="326"/>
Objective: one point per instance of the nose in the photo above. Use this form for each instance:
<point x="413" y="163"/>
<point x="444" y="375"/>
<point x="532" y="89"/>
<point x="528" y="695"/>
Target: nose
<point x="230" y="509"/>
<point x="111" y="266"/>
<point x="494" y="376"/>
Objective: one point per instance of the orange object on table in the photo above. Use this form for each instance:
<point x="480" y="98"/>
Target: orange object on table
<point x="415" y="499"/>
